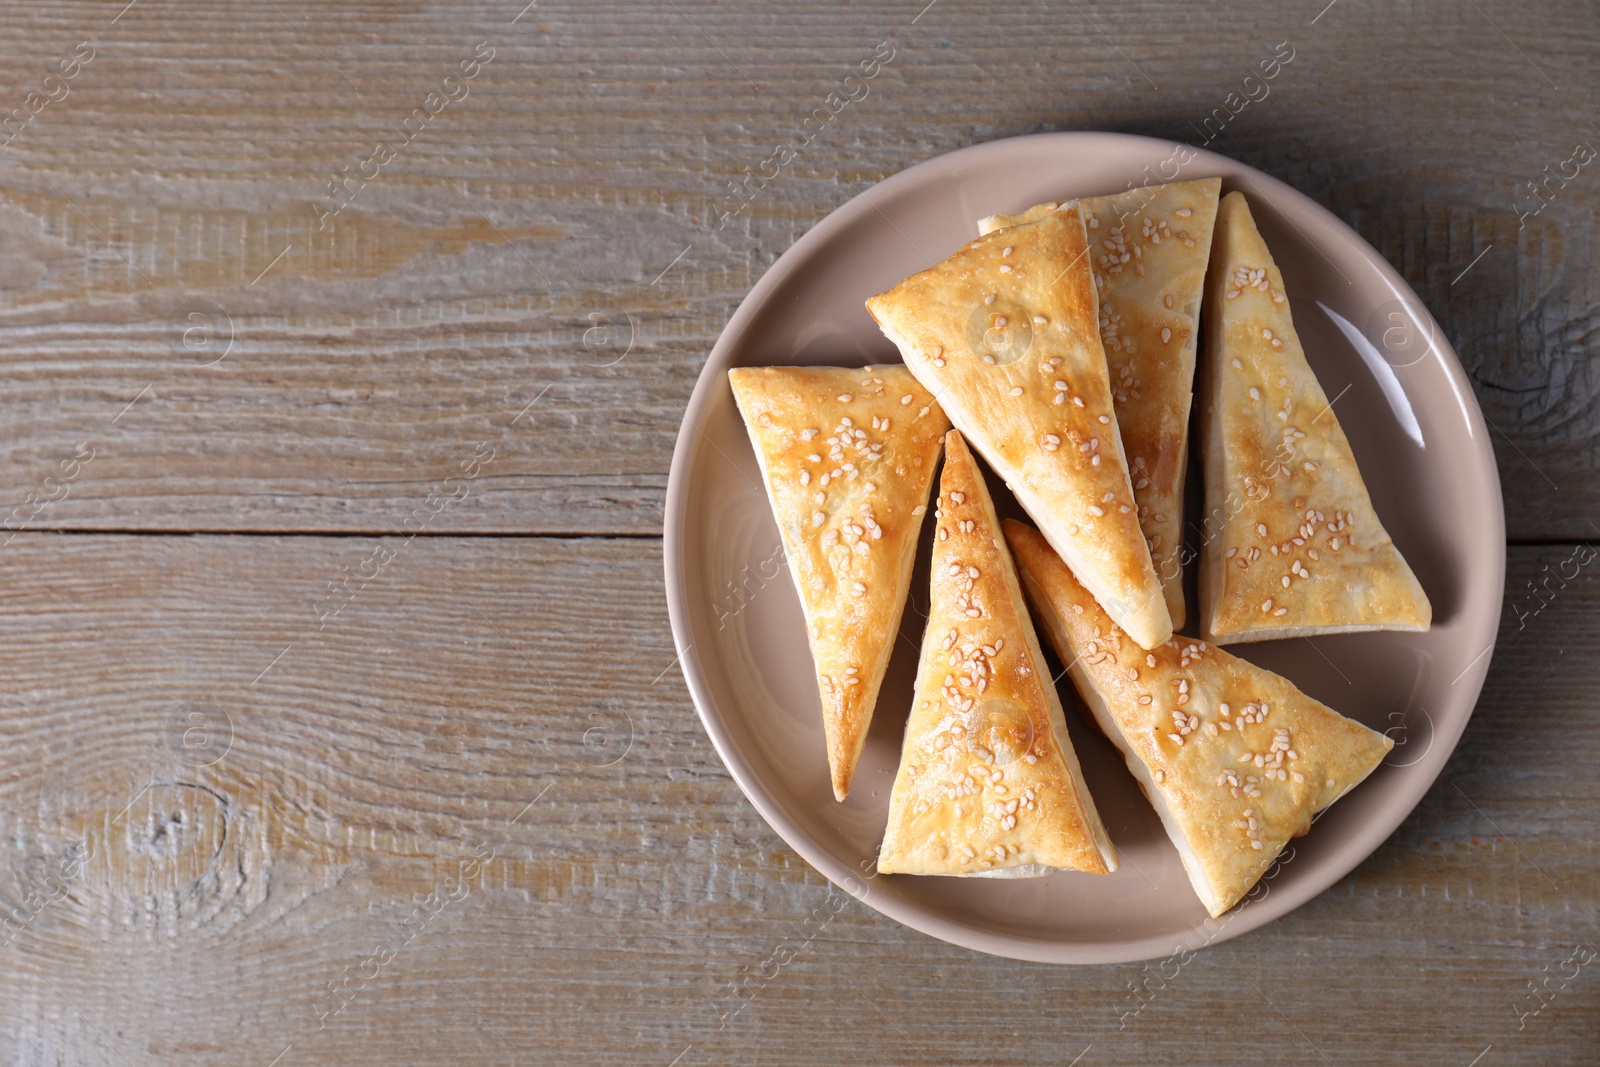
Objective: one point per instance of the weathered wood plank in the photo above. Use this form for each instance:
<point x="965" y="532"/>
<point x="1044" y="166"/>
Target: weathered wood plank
<point x="594" y="149"/>
<point x="639" y="901"/>
<point x="234" y="765"/>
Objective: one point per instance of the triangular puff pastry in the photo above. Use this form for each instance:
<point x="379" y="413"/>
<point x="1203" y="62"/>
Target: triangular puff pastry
<point x="988" y="781"/>
<point x="1006" y="334"/>
<point x="1292" y="545"/>
<point x="1235" y="759"/>
<point x="1148" y="251"/>
<point x="848" y="456"/>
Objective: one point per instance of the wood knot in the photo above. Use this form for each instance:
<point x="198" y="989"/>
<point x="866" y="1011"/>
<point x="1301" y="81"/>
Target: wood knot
<point x="169" y="859"/>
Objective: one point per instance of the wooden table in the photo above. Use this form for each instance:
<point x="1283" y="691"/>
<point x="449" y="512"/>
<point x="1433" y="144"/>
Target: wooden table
<point x="342" y="723"/>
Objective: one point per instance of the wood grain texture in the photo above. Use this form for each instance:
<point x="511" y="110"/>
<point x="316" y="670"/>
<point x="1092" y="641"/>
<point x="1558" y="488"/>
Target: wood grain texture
<point x="288" y="793"/>
<point x="558" y="227"/>
<point x="638" y="901"/>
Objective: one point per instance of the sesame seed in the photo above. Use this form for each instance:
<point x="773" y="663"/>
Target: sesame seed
<point x="1006" y="251"/>
<point x="1166" y="335"/>
<point x="1096" y="510"/>
<point x="1261" y="528"/>
<point x="938" y="362"/>
<point x="1078" y="400"/>
<point x="817" y="518"/>
<point x="1005" y="268"/>
<point x="1255" y="394"/>
<point x="845" y="398"/>
<point x="1016" y="390"/>
<point x="1281" y="611"/>
<point x="906" y="399"/>
<point x="1040" y="320"/>
<point x="1266" y="605"/>
<point x="989" y="299"/>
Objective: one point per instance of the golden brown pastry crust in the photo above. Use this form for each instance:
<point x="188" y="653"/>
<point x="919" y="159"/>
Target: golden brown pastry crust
<point x="848" y="457"/>
<point x="1149" y="252"/>
<point x="988" y="781"/>
<point x="1234" y="758"/>
<point x="1006" y="334"/>
<point x="1292" y="545"/>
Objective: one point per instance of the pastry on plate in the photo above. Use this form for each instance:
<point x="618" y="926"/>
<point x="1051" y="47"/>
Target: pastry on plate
<point x="988" y="781"/>
<point x="1006" y="334"/>
<point x="1234" y="758"/>
<point x="1292" y="547"/>
<point x="1148" y="251"/>
<point x="848" y="456"/>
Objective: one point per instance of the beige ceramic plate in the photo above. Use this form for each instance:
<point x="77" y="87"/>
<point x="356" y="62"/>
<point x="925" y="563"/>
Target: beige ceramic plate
<point x="1416" y="431"/>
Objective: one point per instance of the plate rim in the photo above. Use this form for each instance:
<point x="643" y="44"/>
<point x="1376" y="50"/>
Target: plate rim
<point x="1244" y="917"/>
